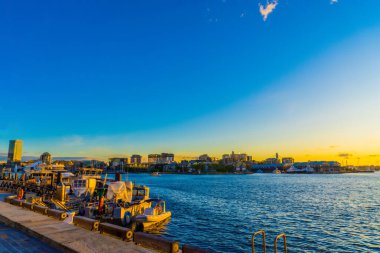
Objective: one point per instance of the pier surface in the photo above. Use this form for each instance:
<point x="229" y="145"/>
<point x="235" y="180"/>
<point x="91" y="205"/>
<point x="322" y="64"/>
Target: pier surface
<point x="15" y="241"/>
<point x="65" y="237"/>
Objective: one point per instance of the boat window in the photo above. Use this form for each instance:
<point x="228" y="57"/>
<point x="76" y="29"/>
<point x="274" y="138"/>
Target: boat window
<point x="79" y="183"/>
<point x="138" y="192"/>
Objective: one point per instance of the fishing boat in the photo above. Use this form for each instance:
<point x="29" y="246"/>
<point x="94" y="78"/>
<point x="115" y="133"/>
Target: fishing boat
<point x="122" y="202"/>
<point x="155" y="174"/>
<point x="154" y="215"/>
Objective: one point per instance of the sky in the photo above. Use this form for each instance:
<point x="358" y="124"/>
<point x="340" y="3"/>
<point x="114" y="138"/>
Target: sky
<point x="113" y="78"/>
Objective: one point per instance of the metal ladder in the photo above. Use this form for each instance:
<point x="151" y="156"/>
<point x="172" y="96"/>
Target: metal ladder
<point x="263" y="235"/>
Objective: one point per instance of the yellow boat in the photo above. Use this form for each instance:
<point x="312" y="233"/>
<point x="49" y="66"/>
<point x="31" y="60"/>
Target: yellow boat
<point x="154" y="215"/>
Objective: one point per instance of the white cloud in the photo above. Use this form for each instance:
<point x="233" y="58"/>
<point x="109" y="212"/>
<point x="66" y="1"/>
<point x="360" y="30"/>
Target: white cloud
<point x="265" y="11"/>
<point x="333" y="1"/>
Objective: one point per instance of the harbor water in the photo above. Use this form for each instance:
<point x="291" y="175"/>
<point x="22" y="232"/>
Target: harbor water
<point x="318" y="213"/>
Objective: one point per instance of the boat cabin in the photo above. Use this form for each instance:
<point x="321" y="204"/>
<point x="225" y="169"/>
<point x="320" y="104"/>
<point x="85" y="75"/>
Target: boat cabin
<point x="140" y="192"/>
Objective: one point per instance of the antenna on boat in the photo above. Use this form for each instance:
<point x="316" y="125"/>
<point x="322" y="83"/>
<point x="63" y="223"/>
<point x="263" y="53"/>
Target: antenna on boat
<point x="105" y="179"/>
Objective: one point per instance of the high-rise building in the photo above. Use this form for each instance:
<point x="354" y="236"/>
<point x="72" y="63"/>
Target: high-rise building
<point x="136" y="159"/>
<point x="15" y="151"/>
<point x="161" y="158"/>
<point x="154" y="158"/>
<point x="46" y="158"/>
<point x="167" y="158"/>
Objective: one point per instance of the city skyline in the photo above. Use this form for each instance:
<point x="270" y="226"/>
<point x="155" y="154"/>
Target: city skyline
<point x="112" y="79"/>
<point x="344" y="158"/>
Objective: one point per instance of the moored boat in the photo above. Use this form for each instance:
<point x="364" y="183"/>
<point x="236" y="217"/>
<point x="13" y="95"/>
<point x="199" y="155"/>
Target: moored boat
<point x="154" y="215"/>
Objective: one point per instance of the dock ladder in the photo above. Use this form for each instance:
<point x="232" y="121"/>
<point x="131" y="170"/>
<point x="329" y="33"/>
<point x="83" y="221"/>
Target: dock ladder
<point x="263" y="235"/>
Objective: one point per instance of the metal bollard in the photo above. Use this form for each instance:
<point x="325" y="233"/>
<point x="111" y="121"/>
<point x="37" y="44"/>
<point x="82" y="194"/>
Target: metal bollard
<point x="156" y="242"/>
<point x="57" y="214"/>
<point x="16" y="202"/>
<point x="28" y="205"/>
<point x="40" y="209"/>
<point x="86" y="223"/>
<point x="118" y="231"/>
<point x="9" y="198"/>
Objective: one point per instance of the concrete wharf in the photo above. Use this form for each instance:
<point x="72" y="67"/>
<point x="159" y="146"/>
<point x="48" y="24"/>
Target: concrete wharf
<point x="63" y="236"/>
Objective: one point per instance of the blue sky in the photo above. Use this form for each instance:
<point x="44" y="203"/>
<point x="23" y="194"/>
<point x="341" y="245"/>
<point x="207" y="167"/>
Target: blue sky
<point x="83" y="78"/>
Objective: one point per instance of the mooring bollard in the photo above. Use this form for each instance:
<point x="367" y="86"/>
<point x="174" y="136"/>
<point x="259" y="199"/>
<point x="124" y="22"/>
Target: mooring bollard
<point x="40" y="209"/>
<point x="57" y="214"/>
<point x="28" y="205"/>
<point x="192" y="249"/>
<point x="86" y="223"/>
<point x="9" y="198"/>
<point x="156" y="242"/>
<point x="16" y="202"/>
<point x="118" y="231"/>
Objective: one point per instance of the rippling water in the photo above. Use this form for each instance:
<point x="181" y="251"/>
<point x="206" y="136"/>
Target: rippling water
<point x="318" y="213"/>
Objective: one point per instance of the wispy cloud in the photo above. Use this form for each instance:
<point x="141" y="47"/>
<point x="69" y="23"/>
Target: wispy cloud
<point x="345" y="155"/>
<point x="268" y="9"/>
<point x="333" y="1"/>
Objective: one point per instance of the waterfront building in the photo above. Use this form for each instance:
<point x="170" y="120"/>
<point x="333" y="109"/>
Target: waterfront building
<point x="154" y="158"/>
<point x="167" y="158"/>
<point x="46" y="158"/>
<point x="267" y="168"/>
<point x="287" y="160"/>
<point x="164" y="158"/>
<point x="226" y="159"/>
<point x="15" y="151"/>
<point x="170" y="167"/>
<point x="320" y="166"/>
<point x="272" y="161"/>
<point x="233" y="158"/>
<point x="275" y="160"/>
<point x="96" y="164"/>
<point x="136" y="159"/>
<point x="118" y="162"/>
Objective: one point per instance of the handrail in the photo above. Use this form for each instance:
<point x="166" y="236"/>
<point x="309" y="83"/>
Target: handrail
<point x="275" y="243"/>
<point x="261" y="232"/>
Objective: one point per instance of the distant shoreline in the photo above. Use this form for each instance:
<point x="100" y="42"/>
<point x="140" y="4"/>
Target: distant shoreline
<point x="249" y="173"/>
